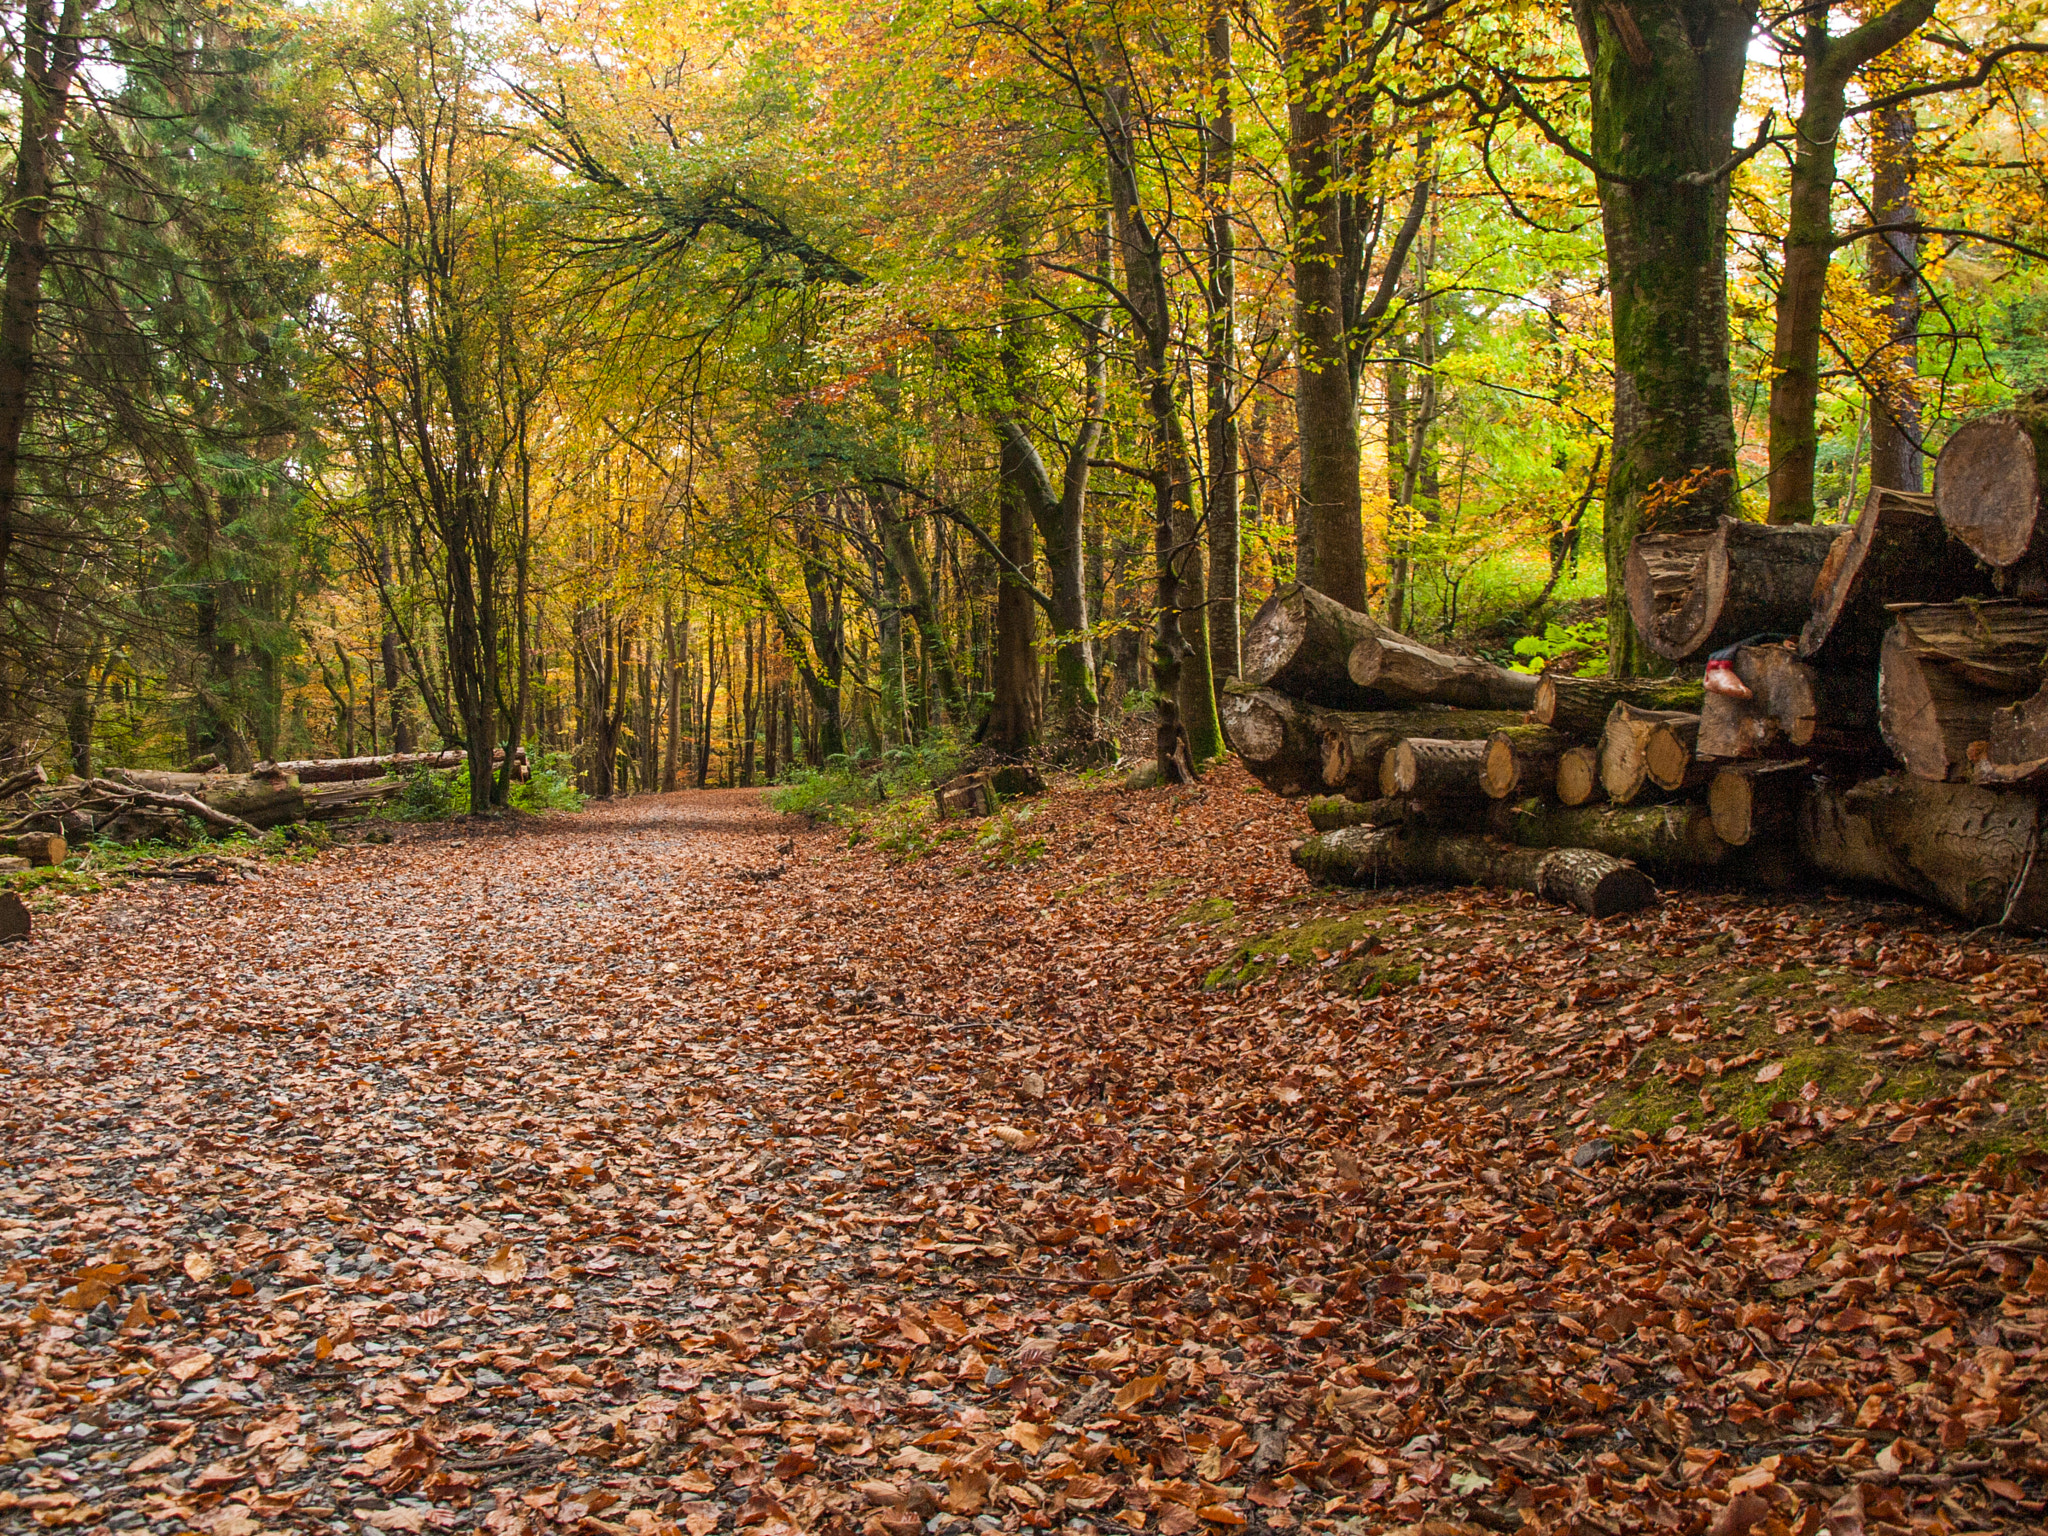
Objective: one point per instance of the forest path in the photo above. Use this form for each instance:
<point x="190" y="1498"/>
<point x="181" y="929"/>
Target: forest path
<point x="672" y="1163"/>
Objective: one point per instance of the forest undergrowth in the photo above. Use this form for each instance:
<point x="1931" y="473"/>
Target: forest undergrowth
<point x="674" y="1166"/>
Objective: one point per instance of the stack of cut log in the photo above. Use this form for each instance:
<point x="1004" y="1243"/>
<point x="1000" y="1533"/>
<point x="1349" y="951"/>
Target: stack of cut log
<point x="1879" y="713"/>
<point x="137" y="805"/>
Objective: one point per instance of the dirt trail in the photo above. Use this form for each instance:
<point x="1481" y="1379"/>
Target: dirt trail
<point x="673" y="1165"/>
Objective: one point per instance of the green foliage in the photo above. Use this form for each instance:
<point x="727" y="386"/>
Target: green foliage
<point x="1574" y="648"/>
<point x="433" y="796"/>
<point x="550" y="785"/>
<point x="847" y="788"/>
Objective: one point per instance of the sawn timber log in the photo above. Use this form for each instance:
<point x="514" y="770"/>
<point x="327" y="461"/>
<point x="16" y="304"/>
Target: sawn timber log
<point x="1300" y="749"/>
<point x="1593" y="882"/>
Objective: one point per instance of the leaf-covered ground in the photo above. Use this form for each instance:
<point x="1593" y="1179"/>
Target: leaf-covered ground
<point x="671" y="1166"/>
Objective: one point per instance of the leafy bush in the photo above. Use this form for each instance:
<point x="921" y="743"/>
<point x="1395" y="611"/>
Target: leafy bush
<point x="432" y="796"/>
<point x="1582" y="645"/>
<point x="550" y="785"/>
<point x="846" y="788"/>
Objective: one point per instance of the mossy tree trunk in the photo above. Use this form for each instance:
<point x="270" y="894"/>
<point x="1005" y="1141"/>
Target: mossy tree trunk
<point x="1666" y="84"/>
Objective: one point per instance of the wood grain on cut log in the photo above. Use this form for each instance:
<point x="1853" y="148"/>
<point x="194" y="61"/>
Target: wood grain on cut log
<point x="1579" y="706"/>
<point x="1944" y="672"/>
<point x="1578" y="775"/>
<point x="1969" y="850"/>
<point x="1748" y="801"/>
<point x="1431" y="768"/>
<point x="1988" y="485"/>
<point x="1751" y="578"/>
<point x="1390" y="766"/>
<point x="1407" y="671"/>
<point x="1795" y="709"/>
<point x="1522" y="760"/>
<point x="1899" y="551"/>
<point x="2019" y="732"/>
<point x="1299" y="749"/>
<point x="1657" y="577"/>
<point x="1668" y="753"/>
<point x="1677" y="836"/>
<point x="1299" y="643"/>
<point x="1625" y="750"/>
<point x="1595" y="883"/>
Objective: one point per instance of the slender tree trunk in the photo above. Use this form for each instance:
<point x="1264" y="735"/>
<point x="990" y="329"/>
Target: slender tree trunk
<point x="1015" y="716"/>
<point x="1330" y="526"/>
<point x="899" y="543"/>
<point x="1219" y="165"/>
<point x="704" y="710"/>
<point x="1830" y="64"/>
<point x="1896" y="458"/>
<point x="1666" y="85"/>
<point x="671" y="761"/>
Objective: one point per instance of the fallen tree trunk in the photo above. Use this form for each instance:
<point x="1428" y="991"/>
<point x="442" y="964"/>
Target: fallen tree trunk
<point x="1750" y="578"/>
<point x="41" y="849"/>
<point x="1369" y="856"/>
<point x="1299" y="643"/>
<point x="1643" y="748"/>
<point x="1579" y="706"/>
<point x="1431" y="768"/>
<point x="1794" y="710"/>
<point x="327" y="802"/>
<point x="1522" y="760"/>
<point x="1300" y="749"/>
<point x="1750" y="801"/>
<point x="245" y="799"/>
<point x="1899" y="551"/>
<point x="28" y="778"/>
<point x="1679" y="836"/>
<point x="206" y="810"/>
<point x="1409" y="672"/>
<point x="1968" y="850"/>
<point x="1944" y="672"/>
<point x="1988" y="489"/>
<point x="341" y="770"/>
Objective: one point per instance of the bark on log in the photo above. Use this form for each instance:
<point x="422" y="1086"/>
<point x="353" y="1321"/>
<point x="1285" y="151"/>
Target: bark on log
<point x="1659" y="837"/>
<point x="1625" y="747"/>
<point x="1757" y="801"/>
<point x="14" y="918"/>
<point x="1579" y="706"/>
<point x="41" y="849"/>
<point x="1795" y="709"/>
<point x="1751" y="578"/>
<point x="1595" y="883"/>
<point x="327" y="802"/>
<point x="1988" y="486"/>
<point x="1299" y="643"/>
<point x="341" y="770"/>
<point x="1945" y="671"/>
<point x="1522" y="760"/>
<point x="1578" y="775"/>
<point x="1431" y="768"/>
<point x="29" y="778"/>
<point x="1409" y="672"/>
<point x="1968" y="850"/>
<point x="2019" y="732"/>
<point x="1299" y="749"/>
<point x="1326" y="813"/>
<point x="1899" y="551"/>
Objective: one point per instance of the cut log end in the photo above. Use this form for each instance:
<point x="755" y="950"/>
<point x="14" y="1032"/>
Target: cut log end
<point x="1987" y="487"/>
<point x="1578" y="776"/>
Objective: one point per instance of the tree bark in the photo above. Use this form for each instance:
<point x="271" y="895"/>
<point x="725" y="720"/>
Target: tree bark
<point x="1595" y="883"/>
<point x="1897" y="461"/>
<point x="1408" y="671"/>
<point x="1749" y="579"/>
<point x="1666" y="86"/>
<point x="1795" y="709"/>
<point x="1326" y="406"/>
<point x="1219" y="165"/>
<point x="1674" y="837"/>
<point x="1435" y="769"/>
<point x="1018" y="710"/>
<point x="1300" y="642"/>
<point x="1968" y="850"/>
<point x="1830" y="63"/>
<point x="1945" y="671"/>
<point x="1898" y="551"/>
<point x="1579" y="706"/>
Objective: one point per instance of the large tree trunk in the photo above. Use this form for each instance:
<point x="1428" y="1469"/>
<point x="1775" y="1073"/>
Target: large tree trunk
<point x="1945" y="671"/>
<point x="1595" y="883"/>
<point x="1299" y="749"/>
<point x="1896" y="459"/>
<point x="1989" y="489"/>
<point x="1795" y="709"/>
<point x="1299" y="643"/>
<point x="1968" y="850"/>
<point x="1830" y="64"/>
<point x="1749" y="579"/>
<point x="1219" y="164"/>
<point x="1579" y="706"/>
<point x="1325" y="405"/>
<point x="1899" y="551"/>
<point x="1666" y="86"/>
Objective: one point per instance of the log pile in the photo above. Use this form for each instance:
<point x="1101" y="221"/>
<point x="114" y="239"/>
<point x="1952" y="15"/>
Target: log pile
<point x="1865" y="704"/>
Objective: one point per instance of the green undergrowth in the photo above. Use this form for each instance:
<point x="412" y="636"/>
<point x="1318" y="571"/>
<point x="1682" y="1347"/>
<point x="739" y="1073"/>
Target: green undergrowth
<point x="1714" y="1035"/>
<point x="851" y="791"/>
